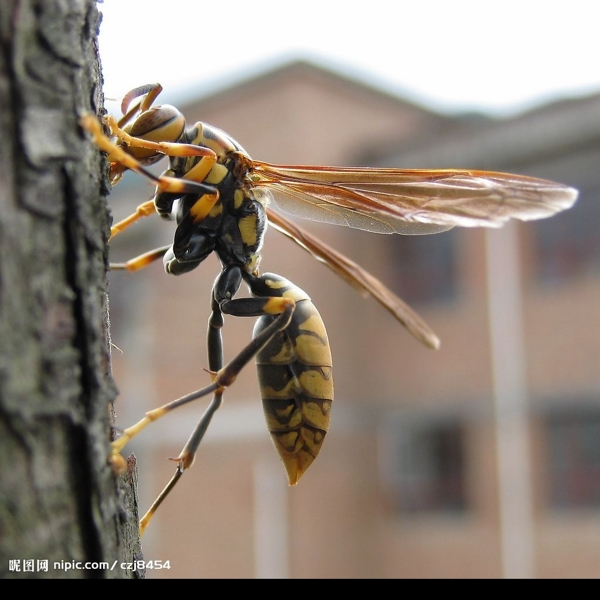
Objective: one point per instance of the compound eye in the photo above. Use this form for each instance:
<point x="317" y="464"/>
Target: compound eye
<point x="157" y="124"/>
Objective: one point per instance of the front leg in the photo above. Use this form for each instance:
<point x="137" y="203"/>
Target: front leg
<point x="175" y="187"/>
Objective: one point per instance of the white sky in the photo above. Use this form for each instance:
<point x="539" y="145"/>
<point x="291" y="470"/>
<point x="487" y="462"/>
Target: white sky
<point x="493" y="56"/>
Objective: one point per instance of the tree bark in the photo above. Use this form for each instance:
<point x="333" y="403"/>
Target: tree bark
<point x="62" y="512"/>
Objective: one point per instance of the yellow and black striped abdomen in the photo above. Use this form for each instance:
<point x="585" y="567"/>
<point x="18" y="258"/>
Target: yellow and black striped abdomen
<point x="294" y="372"/>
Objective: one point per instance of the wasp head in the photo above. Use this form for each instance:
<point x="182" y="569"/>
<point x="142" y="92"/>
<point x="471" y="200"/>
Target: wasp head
<point x="157" y="124"/>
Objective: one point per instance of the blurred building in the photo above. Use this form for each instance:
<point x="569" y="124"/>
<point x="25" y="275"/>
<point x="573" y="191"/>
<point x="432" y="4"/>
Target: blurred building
<point x="481" y="459"/>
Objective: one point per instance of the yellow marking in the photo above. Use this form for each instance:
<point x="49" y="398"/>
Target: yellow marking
<point x="317" y="384"/>
<point x="247" y="227"/>
<point x="217" y="174"/>
<point x="285" y="356"/>
<point x="213" y="145"/>
<point x="273" y="424"/>
<point x="285" y="411"/>
<point x="286" y="289"/>
<point x="200" y="170"/>
<point x="276" y="305"/>
<point x="297" y="450"/>
<point x="203" y="206"/>
<point x="290" y="442"/>
<point x="314" y="323"/>
<point x="313" y="440"/>
<point x="290" y="390"/>
<point x="295" y="293"/>
<point x="238" y="198"/>
<point x="216" y="210"/>
<point x="312" y="351"/>
<point x="288" y="419"/>
<point x="217" y="143"/>
<point x="317" y="415"/>
<point x="313" y="414"/>
<point x="295" y="420"/>
<point x="253" y="262"/>
<point x="274" y="284"/>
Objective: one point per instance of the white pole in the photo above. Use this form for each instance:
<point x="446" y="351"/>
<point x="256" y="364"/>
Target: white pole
<point x="270" y="522"/>
<point x="510" y="403"/>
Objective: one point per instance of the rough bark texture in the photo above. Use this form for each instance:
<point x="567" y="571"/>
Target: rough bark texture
<point x="58" y="498"/>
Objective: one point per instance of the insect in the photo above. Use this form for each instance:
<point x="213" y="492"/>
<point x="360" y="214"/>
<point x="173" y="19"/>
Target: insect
<point x="222" y="201"/>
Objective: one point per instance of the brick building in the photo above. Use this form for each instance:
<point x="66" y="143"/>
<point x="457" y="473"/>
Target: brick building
<point x="479" y="460"/>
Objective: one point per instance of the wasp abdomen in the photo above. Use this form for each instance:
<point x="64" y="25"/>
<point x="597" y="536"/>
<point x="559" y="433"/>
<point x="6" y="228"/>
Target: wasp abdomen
<point x="294" y="372"/>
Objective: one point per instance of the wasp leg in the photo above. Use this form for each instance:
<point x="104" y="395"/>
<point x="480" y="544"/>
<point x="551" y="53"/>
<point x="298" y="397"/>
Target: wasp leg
<point x="185" y="458"/>
<point x="116" y="459"/>
<point x="141" y="261"/>
<point x="197" y="173"/>
<point x="143" y="210"/>
<point x="222" y="379"/>
<point x="187" y="455"/>
<point x="226" y="285"/>
<point x="145" y="520"/>
<point x="117" y="154"/>
<point x="208" y="195"/>
<point x="166" y="148"/>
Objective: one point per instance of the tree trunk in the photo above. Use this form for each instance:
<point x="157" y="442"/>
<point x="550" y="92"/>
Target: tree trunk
<point x="62" y="513"/>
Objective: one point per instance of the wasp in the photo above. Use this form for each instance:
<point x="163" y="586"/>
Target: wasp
<point x="222" y="201"/>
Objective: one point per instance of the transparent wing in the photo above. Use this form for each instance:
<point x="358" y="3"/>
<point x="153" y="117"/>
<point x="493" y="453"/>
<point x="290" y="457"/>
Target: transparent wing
<point x="355" y="275"/>
<point x="409" y="201"/>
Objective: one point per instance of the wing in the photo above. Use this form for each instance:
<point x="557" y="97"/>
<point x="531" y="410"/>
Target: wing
<point x="409" y="201"/>
<point x="356" y="276"/>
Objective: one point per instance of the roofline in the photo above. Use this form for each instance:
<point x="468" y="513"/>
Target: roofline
<point x="253" y="79"/>
<point x="543" y="132"/>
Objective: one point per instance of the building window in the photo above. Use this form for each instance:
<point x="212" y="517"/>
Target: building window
<point x="568" y="245"/>
<point x="573" y="450"/>
<point x="424" y="267"/>
<point x="428" y="468"/>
